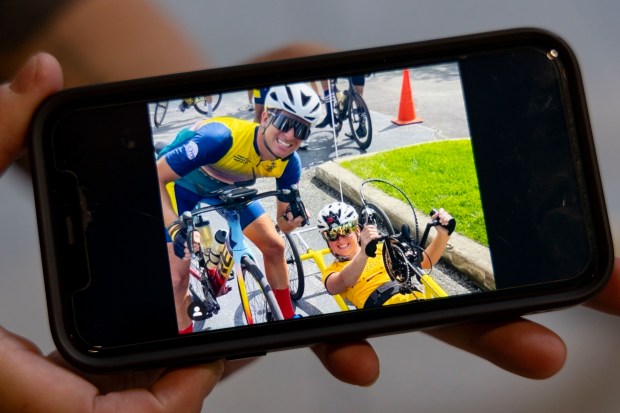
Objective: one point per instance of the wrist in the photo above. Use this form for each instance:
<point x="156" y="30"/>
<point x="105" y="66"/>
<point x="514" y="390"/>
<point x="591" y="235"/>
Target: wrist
<point x="173" y="229"/>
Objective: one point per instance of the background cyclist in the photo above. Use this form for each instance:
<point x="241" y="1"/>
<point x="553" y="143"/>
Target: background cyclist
<point x="221" y="151"/>
<point x="358" y="83"/>
<point x="360" y="279"/>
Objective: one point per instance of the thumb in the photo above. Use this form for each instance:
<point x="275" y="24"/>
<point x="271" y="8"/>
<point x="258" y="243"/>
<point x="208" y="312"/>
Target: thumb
<point x="38" y="78"/>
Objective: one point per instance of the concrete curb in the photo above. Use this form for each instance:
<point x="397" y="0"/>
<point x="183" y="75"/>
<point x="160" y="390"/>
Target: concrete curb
<point x="467" y="256"/>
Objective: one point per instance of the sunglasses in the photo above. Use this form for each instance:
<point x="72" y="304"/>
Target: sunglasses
<point x="284" y="123"/>
<point x="342" y="231"/>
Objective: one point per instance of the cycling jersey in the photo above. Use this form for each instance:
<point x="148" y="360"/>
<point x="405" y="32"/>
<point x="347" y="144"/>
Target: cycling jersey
<point x="221" y="151"/>
<point x="218" y="152"/>
<point x="373" y="276"/>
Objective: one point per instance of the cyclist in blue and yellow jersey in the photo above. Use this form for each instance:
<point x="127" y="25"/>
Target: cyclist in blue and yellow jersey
<point x="221" y="151"/>
<point x="361" y="279"/>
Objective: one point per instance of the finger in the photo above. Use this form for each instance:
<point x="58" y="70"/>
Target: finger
<point x="24" y="373"/>
<point x="353" y="363"/>
<point x="111" y="382"/>
<point x="40" y="77"/>
<point x="518" y="346"/>
<point x="608" y="300"/>
<point x="292" y="50"/>
<point x="177" y="390"/>
<point x="185" y="389"/>
<point x="232" y="367"/>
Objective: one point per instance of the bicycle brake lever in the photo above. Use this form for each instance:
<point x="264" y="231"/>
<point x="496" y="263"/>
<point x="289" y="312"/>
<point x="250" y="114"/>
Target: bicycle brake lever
<point x="187" y="218"/>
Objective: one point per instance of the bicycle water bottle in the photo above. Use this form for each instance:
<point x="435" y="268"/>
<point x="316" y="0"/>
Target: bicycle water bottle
<point x="340" y="99"/>
<point x="215" y="252"/>
<point x="217" y="273"/>
<point x="203" y="227"/>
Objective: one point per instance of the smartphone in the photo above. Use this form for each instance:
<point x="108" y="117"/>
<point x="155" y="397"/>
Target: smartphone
<point x="119" y="297"/>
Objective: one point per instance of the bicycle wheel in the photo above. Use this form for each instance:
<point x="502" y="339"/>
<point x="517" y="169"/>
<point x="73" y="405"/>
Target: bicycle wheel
<point x="395" y="262"/>
<point x="160" y="112"/>
<point x="359" y="121"/>
<point x="257" y="299"/>
<point x="201" y="104"/>
<point x="296" y="282"/>
<point x="382" y="221"/>
<point x="204" y="303"/>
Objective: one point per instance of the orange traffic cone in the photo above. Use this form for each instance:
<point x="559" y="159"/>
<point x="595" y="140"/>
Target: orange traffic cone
<point x="406" y="110"/>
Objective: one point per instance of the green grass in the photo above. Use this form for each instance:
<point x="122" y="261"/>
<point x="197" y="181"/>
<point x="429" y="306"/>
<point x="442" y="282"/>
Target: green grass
<point x="433" y="175"/>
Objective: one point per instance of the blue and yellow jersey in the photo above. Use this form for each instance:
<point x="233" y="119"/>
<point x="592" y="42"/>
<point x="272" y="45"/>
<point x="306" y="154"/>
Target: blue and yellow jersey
<point x="221" y="151"/>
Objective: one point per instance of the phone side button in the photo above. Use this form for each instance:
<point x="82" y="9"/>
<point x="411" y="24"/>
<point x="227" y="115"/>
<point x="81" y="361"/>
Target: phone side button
<point x="246" y="356"/>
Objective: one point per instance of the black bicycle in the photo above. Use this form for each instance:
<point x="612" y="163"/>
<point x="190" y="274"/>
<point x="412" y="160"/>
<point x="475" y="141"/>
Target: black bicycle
<point x="198" y="103"/>
<point x="402" y="252"/>
<point x="350" y="106"/>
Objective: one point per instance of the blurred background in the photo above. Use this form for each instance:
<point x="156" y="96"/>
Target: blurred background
<point x="418" y="373"/>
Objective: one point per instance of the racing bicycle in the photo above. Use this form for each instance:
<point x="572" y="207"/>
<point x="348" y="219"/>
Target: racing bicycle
<point x="198" y="103"/>
<point x="350" y="106"/>
<point x="257" y="298"/>
<point x="402" y="252"/>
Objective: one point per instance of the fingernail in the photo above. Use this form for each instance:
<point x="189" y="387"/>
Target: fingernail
<point x="26" y="76"/>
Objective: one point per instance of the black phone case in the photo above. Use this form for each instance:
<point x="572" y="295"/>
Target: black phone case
<point x="158" y="350"/>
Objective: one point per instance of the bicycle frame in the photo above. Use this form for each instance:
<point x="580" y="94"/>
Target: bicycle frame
<point x="236" y="245"/>
<point x="317" y="257"/>
<point x="431" y="287"/>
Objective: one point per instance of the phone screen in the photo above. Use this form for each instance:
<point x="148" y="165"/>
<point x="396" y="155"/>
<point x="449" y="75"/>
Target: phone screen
<point x="423" y="143"/>
<point x="168" y="204"/>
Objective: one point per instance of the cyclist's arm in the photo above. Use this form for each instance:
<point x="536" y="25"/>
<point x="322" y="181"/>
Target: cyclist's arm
<point x="436" y="248"/>
<point x="290" y="177"/>
<point x="210" y="144"/>
<point x="166" y="174"/>
<point x="338" y="282"/>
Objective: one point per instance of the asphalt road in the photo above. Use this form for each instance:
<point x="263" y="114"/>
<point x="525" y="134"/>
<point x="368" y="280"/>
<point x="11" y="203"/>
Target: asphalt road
<point x="438" y="101"/>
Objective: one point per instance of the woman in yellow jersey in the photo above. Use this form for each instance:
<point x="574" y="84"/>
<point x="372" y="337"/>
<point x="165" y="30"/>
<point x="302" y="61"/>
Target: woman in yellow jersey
<point x="360" y="279"/>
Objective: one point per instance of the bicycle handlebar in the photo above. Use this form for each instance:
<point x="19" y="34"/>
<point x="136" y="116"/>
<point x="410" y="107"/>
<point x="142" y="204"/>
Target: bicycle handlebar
<point x="450" y="226"/>
<point x="296" y="205"/>
<point x="371" y="247"/>
<point x="405" y="235"/>
<point x="237" y="197"/>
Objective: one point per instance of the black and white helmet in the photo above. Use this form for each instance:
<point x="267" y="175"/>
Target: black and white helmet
<point x="298" y="99"/>
<point x="335" y="215"/>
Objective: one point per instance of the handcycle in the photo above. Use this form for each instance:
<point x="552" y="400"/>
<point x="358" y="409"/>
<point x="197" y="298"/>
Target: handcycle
<point x="236" y="258"/>
<point x="198" y="103"/>
<point x="402" y="252"/>
<point x="350" y="105"/>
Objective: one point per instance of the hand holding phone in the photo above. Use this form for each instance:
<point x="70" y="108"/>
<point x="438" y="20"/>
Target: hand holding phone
<point x="486" y="150"/>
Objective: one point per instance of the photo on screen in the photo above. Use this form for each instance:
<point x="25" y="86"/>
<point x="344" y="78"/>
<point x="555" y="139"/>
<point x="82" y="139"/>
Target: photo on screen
<point x="389" y="148"/>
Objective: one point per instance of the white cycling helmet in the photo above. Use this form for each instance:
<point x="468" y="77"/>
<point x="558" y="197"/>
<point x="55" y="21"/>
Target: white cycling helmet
<point x="298" y="99"/>
<point x="335" y="215"/>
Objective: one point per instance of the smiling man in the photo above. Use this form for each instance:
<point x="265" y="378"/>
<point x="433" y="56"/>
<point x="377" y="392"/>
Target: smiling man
<point x="221" y="151"/>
